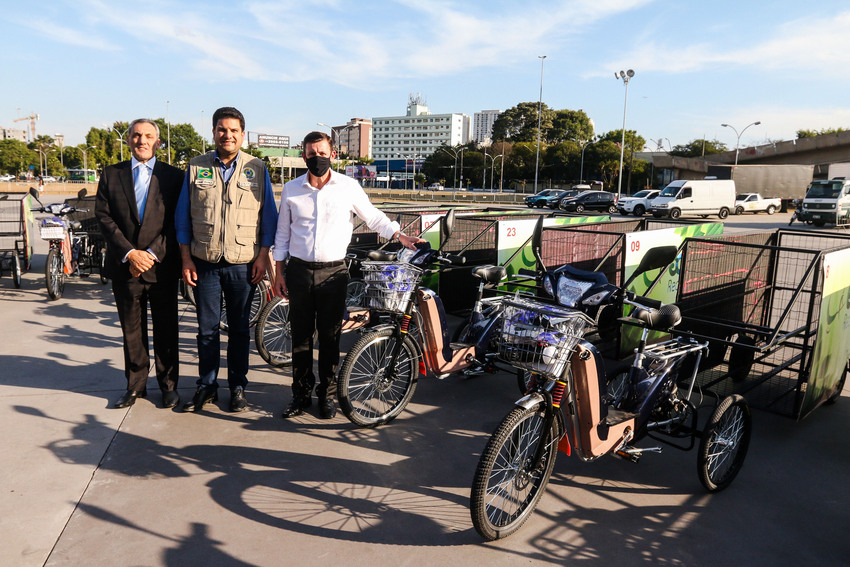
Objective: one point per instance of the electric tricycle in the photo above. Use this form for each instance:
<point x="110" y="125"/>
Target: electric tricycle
<point x="575" y="401"/>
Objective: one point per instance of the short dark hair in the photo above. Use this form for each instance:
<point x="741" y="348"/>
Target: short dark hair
<point x="228" y="112"/>
<point x="314" y="137"/>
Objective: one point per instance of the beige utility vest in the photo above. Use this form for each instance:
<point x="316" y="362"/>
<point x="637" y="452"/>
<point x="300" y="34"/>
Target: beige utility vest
<point x="226" y="216"/>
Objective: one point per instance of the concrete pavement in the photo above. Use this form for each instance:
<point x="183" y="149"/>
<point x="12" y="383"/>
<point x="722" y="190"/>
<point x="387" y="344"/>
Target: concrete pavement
<point x="86" y="484"/>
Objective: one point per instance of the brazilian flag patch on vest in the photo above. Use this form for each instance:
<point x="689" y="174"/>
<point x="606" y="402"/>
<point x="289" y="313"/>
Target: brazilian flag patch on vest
<point x="249" y="174"/>
<point x="205" y="173"/>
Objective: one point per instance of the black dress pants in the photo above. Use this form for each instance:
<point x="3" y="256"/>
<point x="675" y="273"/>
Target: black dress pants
<point x="316" y="303"/>
<point x="132" y="298"/>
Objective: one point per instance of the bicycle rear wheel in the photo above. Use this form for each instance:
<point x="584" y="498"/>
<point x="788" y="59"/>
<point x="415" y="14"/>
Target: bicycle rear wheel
<point x="724" y="443"/>
<point x="16" y="270"/>
<point x="507" y="486"/>
<point x="272" y="335"/>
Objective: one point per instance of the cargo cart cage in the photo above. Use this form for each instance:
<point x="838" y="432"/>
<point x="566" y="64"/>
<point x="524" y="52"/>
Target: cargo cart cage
<point x="757" y="299"/>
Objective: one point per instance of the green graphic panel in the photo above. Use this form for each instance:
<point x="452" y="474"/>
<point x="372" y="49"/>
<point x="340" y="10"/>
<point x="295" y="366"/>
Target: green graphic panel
<point x="637" y="245"/>
<point x="514" y="241"/>
<point x="832" y="346"/>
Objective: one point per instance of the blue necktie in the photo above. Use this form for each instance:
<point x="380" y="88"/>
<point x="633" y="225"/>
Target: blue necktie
<point x="141" y="180"/>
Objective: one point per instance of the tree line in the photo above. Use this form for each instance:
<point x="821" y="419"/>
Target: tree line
<point x="103" y="147"/>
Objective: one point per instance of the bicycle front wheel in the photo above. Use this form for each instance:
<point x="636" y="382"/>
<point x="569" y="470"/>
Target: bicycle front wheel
<point x="507" y="484"/>
<point x="54" y="274"/>
<point x="272" y="334"/>
<point x="370" y="393"/>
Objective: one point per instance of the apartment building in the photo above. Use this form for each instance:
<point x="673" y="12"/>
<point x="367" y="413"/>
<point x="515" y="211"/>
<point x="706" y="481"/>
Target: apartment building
<point x="354" y="138"/>
<point x="483" y="126"/>
<point x="418" y="133"/>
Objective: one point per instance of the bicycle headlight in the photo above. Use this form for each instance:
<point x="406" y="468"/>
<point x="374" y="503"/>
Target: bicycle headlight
<point x="570" y="291"/>
<point x="548" y="286"/>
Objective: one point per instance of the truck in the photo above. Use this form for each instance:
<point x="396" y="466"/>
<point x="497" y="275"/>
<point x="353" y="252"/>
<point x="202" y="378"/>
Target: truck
<point x="786" y="181"/>
<point x="701" y="197"/>
<point x="755" y="203"/>
<point x="826" y="201"/>
<point x="837" y="170"/>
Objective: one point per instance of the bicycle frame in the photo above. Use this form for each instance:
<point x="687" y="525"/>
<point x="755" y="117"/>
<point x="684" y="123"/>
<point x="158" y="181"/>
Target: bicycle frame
<point x="440" y="357"/>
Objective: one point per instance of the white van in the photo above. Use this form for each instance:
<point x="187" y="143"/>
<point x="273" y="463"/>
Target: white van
<point x="826" y="202"/>
<point x="695" y="197"/>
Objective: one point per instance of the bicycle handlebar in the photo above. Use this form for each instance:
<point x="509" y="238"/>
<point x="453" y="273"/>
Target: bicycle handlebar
<point x="452" y="259"/>
<point x="641" y="301"/>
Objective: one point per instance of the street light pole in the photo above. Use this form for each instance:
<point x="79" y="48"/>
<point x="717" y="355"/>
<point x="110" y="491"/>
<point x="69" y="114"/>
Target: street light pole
<point x="86" y="162"/>
<point x="581" y="171"/>
<point x="453" y="153"/>
<point x="461" y="166"/>
<point x="738" y="141"/>
<point x="539" y="116"/>
<point x="492" y="166"/>
<point x="626" y="76"/>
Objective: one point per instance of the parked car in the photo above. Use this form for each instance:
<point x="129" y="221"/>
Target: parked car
<point x="591" y="201"/>
<point x="554" y="201"/>
<point x="637" y="203"/>
<point x="537" y="199"/>
<point x="7" y="177"/>
<point x="49" y="179"/>
<point x="436" y="187"/>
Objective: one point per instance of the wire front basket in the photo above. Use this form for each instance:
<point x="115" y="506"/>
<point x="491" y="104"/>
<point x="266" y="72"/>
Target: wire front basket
<point x="390" y="285"/>
<point x="51" y="229"/>
<point x="539" y="337"/>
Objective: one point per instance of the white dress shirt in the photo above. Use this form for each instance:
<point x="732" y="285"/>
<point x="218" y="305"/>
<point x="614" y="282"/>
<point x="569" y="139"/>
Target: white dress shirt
<point x="316" y="225"/>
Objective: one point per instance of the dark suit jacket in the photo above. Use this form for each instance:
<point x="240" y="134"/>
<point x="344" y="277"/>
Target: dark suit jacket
<point x="118" y="216"/>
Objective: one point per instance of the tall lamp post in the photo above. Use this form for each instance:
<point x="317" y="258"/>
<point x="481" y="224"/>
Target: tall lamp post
<point x="626" y="76"/>
<point x="168" y="128"/>
<point x="120" y="138"/>
<point x="738" y="141"/>
<point x="492" y="166"/>
<point x="454" y="154"/>
<point x="86" y="161"/>
<point x="581" y="171"/>
<point x="539" y="116"/>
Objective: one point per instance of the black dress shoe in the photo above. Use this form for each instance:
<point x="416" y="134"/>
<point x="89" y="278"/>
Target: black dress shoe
<point x="170" y="398"/>
<point x="327" y="408"/>
<point x="296" y="407"/>
<point x="237" y="399"/>
<point x="129" y="398"/>
<point x="202" y="397"/>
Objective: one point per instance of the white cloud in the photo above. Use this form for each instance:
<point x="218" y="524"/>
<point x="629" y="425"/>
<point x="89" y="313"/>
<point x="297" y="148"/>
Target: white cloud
<point x="69" y="36"/>
<point x="803" y="44"/>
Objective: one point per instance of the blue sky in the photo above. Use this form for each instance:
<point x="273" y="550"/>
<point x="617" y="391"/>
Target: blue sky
<point x="288" y="65"/>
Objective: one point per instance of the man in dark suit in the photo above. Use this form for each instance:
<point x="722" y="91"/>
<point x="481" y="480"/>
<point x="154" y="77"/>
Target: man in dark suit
<point x="135" y="207"/>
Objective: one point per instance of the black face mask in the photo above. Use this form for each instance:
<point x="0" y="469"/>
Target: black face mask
<point x="318" y="165"/>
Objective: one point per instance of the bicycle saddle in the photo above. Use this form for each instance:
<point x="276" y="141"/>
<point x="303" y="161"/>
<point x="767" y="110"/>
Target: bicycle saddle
<point x="490" y="274"/>
<point x="665" y="317"/>
<point x="382" y="256"/>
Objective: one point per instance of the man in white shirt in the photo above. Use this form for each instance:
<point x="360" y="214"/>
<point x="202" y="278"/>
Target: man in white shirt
<point x="313" y="231"/>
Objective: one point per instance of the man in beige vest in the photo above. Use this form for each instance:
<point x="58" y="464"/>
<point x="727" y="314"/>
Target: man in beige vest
<point x="226" y="219"/>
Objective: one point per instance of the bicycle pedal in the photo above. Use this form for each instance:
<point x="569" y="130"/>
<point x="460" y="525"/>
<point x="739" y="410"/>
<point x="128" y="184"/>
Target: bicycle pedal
<point x="477" y="371"/>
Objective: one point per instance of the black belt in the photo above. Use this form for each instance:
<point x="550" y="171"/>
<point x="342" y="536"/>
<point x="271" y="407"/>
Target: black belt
<point x="316" y="265"/>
